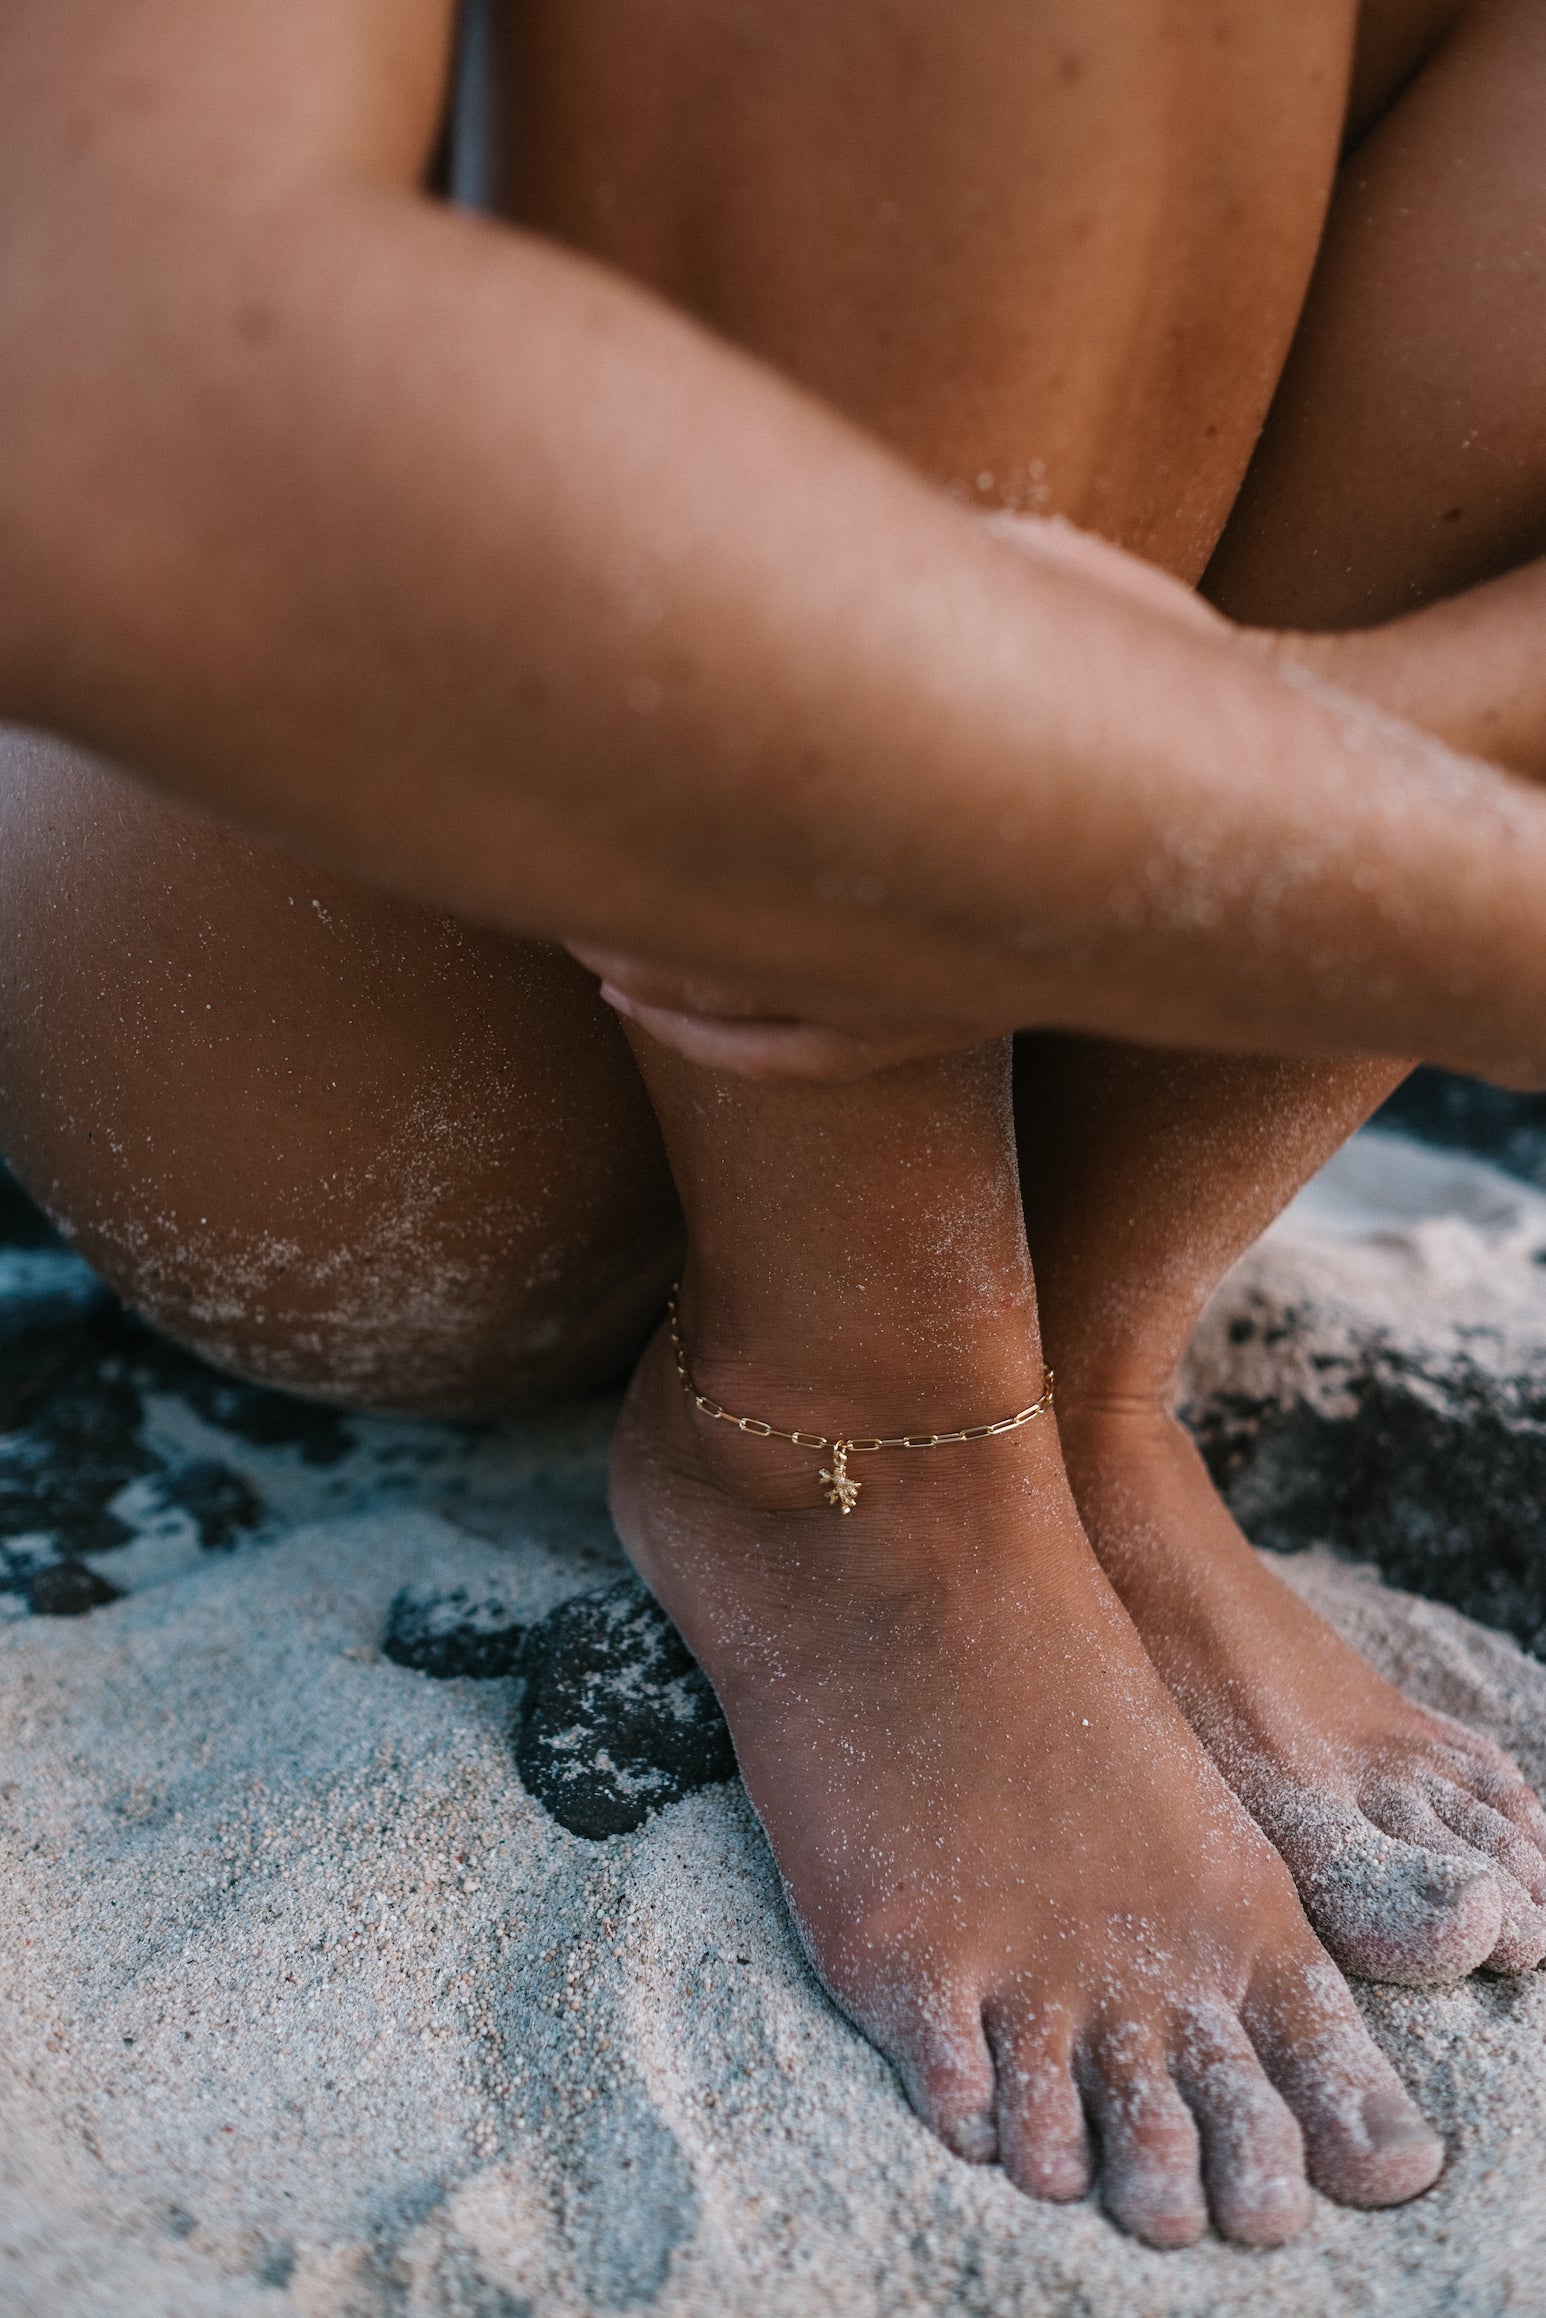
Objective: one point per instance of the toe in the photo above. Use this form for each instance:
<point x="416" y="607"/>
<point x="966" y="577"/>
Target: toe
<point x="947" y="2073"/>
<point x="1494" y="1778"/>
<point x="1422" y="1818"/>
<point x="1150" y="2170"/>
<point x="1044" y="2141"/>
<point x="1500" y="1787"/>
<point x="1522" y="1941"/>
<point x="1252" y="2148"/>
<point x="1389" y="1908"/>
<point x="1497" y="1837"/>
<point x="1366" y="2141"/>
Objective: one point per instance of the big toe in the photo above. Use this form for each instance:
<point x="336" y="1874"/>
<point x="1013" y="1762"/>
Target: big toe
<point x="1388" y="1909"/>
<point x="1382" y="2151"/>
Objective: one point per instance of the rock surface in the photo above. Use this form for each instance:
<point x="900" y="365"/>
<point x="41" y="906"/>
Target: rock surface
<point x="312" y="2003"/>
<point x="618" y="1721"/>
<point x="1373" y="1377"/>
<point x="449" y="1634"/>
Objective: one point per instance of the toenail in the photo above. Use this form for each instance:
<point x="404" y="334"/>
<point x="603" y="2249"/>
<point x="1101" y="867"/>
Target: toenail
<point x="1455" y="1881"/>
<point x="1392" y="2123"/>
<point x="973" y="2139"/>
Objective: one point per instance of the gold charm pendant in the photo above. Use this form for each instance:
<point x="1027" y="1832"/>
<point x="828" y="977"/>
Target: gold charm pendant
<point x="843" y="1493"/>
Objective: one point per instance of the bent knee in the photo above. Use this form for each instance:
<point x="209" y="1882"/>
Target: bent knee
<point x="389" y="1331"/>
<point x="328" y="1141"/>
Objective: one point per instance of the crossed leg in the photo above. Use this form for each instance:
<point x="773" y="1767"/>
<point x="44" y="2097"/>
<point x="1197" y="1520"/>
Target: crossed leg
<point x="1404" y="458"/>
<point x="978" y="1800"/>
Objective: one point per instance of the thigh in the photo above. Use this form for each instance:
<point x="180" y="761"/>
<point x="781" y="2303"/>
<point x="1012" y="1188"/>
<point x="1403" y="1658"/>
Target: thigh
<point x="327" y="1139"/>
<point x="1054" y="252"/>
<point x="1405" y="455"/>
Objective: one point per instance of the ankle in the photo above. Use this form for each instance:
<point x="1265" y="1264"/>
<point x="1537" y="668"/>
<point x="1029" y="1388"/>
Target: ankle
<point x="764" y="1473"/>
<point x="1085" y="1401"/>
<point x="1099" y="1421"/>
<point x="878" y="1372"/>
<point x="1113" y="1375"/>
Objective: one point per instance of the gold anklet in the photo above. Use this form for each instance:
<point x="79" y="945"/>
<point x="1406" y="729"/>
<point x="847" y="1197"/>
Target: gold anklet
<point x="843" y="1491"/>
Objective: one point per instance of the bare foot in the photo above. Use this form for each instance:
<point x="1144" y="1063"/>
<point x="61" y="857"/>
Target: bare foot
<point x="1008" y="1858"/>
<point x="1418" y="1849"/>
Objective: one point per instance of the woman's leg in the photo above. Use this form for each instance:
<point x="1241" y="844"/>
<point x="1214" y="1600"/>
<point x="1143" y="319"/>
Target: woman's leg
<point x="728" y="179"/>
<point x="324" y="1138"/>
<point x="1009" y="1860"/>
<point x="1004" y="1854"/>
<point x="1404" y="456"/>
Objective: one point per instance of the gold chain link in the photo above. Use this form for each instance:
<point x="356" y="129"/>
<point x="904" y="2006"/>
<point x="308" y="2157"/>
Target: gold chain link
<point x="843" y="1492"/>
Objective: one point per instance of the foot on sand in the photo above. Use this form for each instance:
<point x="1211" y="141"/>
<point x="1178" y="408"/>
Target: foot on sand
<point x="1010" y="1861"/>
<point x="1417" y="1848"/>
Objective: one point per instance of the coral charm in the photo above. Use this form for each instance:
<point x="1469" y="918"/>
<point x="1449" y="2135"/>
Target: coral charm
<point x="843" y="1493"/>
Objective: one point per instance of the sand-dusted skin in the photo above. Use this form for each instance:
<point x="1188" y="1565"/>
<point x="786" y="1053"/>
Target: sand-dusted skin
<point x="1416" y="1846"/>
<point x="610" y="582"/>
<point x="1010" y="1861"/>
<point x="1418" y="1849"/>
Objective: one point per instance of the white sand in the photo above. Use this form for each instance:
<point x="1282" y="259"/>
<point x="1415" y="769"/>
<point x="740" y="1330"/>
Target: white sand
<point x="308" y="2008"/>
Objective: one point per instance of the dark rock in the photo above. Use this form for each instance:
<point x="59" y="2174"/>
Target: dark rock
<point x="220" y="1502"/>
<point x="1437" y="1478"/>
<point x="255" y="1413"/>
<point x="71" y="1414"/>
<point x="68" y="1589"/>
<point x="49" y="1338"/>
<point x="618" y="1718"/>
<point x="448" y="1634"/>
<point x="75" y="1370"/>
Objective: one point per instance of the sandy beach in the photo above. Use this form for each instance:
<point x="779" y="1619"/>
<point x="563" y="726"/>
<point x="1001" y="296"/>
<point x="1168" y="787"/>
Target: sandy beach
<point x="339" y="1985"/>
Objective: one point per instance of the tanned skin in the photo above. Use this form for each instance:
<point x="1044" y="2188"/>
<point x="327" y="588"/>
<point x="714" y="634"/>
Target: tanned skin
<point x="617" y="575"/>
